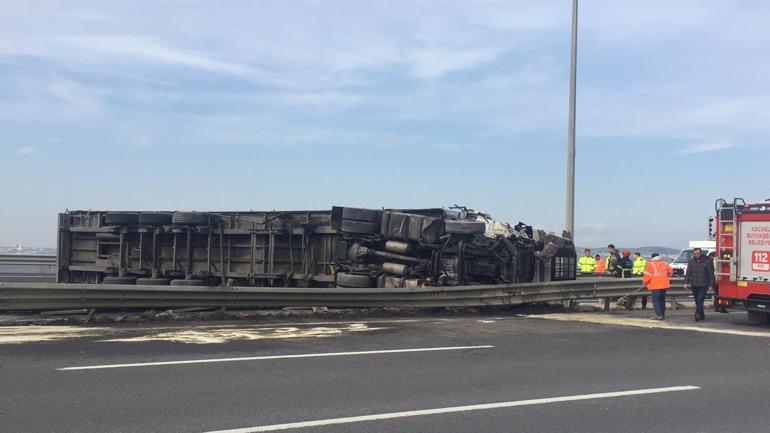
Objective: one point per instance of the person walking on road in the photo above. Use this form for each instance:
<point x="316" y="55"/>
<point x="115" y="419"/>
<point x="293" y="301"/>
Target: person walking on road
<point x="699" y="278"/>
<point x="601" y="265"/>
<point x="657" y="278"/>
<point x="587" y="263"/>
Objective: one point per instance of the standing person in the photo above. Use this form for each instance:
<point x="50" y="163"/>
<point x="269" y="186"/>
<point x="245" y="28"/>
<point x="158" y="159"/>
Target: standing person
<point x="601" y="265"/>
<point x="625" y="265"/>
<point x="699" y="277"/>
<point x="657" y="278"/>
<point x="640" y="264"/>
<point x="587" y="263"/>
<point x="612" y="259"/>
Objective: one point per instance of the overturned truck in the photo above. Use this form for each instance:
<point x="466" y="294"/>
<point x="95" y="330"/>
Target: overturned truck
<point x="342" y="247"/>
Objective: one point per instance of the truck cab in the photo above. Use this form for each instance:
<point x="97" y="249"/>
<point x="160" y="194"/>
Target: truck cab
<point x="743" y="257"/>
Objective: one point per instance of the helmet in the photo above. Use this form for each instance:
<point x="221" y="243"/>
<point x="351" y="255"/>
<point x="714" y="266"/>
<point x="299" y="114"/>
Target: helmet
<point x="626" y="253"/>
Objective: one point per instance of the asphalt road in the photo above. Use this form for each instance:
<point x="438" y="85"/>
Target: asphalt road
<point x="672" y="380"/>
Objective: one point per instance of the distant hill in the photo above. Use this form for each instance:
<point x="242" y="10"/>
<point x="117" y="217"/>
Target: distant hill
<point x="646" y="251"/>
<point x="18" y="249"/>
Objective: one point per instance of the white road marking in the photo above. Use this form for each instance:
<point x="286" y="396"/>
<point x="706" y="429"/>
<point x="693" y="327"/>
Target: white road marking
<point x="455" y="409"/>
<point x="607" y="319"/>
<point x="263" y="358"/>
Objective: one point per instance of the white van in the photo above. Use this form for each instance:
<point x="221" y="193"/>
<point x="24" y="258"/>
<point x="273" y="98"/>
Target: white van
<point x="683" y="258"/>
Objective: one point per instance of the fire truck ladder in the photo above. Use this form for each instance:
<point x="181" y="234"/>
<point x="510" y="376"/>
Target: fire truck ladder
<point x="726" y="251"/>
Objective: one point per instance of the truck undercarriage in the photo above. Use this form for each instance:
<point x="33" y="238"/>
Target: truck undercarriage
<point x="345" y="247"/>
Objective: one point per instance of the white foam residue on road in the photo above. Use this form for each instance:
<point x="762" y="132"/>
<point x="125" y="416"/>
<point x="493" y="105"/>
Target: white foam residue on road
<point x="218" y="336"/>
<point x="31" y="334"/>
<point x="608" y="319"/>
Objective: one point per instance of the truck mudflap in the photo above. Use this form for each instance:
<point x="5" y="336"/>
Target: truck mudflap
<point x="762" y="306"/>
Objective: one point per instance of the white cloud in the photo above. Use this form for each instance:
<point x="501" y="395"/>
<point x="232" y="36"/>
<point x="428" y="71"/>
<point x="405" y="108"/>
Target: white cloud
<point x="704" y="147"/>
<point x="621" y="21"/>
<point x="149" y="50"/>
<point x="595" y="227"/>
<point x="433" y="63"/>
<point x="75" y="95"/>
<point x="26" y="150"/>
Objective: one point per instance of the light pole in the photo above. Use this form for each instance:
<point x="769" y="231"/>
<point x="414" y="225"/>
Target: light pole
<point x="570" y="224"/>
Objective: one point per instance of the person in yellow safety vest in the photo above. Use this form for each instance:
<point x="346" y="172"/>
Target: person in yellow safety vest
<point x="612" y="259"/>
<point x="640" y="264"/>
<point x="587" y="263"/>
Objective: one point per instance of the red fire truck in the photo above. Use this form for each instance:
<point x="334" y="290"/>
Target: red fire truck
<point x="743" y="257"/>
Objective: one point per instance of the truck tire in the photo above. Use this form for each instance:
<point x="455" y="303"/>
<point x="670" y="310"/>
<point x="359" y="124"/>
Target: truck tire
<point x="345" y="279"/>
<point x="190" y="218"/>
<point x="353" y="213"/>
<point x="188" y="283"/>
<point x="121" y="218"/>
<point x="351" y="226"/>
<point x="119" y="280"/>
<point x="759" y="316"/>
<point x="152" y="281"/>
<point x="460" y="227"/>
<point x="155" y="218"/>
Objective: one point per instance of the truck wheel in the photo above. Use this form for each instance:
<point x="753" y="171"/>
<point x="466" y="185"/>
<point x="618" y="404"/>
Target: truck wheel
<point x="152" y="281"/>
<point x="119" y="280"/>
<point x="759" y="317"/>
<point x="188" y="283"/>
<point x="353" y="213"/>
<point x="345" y="279"/>
<point x="121" y="218"/>
<point x="351" y="226"/>
<point x="155" y="218"/>
<point x="464" y="227"/>
<point x="190" y="218"/>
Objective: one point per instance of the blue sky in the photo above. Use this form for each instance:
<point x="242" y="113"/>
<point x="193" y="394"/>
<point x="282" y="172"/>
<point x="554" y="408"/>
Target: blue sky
<point x="307" y="104"/>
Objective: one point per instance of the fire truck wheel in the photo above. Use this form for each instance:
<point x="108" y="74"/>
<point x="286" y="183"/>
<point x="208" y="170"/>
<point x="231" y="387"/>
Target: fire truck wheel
<point x="190" y="218"/>
<point x="464" y="227"/>
<point x="352" y="213"/>
<point x="351" y="226"/>
<point x="119" y="280"/>
<point x="152" y="281"/>
<point x="121" y="218"/>
<point x="188" y="283"/>
<point x="154" y="218"/>
<point x="759" y="317"/>
<point x="354" y="280"/>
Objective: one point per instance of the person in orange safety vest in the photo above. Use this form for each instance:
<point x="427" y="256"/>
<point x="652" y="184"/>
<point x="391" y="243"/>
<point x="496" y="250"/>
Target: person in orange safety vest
<point x="657" y="278"/>
<point x="601" y="265"/>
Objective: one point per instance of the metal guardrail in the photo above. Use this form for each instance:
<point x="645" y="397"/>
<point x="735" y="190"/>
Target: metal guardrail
<point x="27" y="268"/>
<point x="20" y="296"/>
